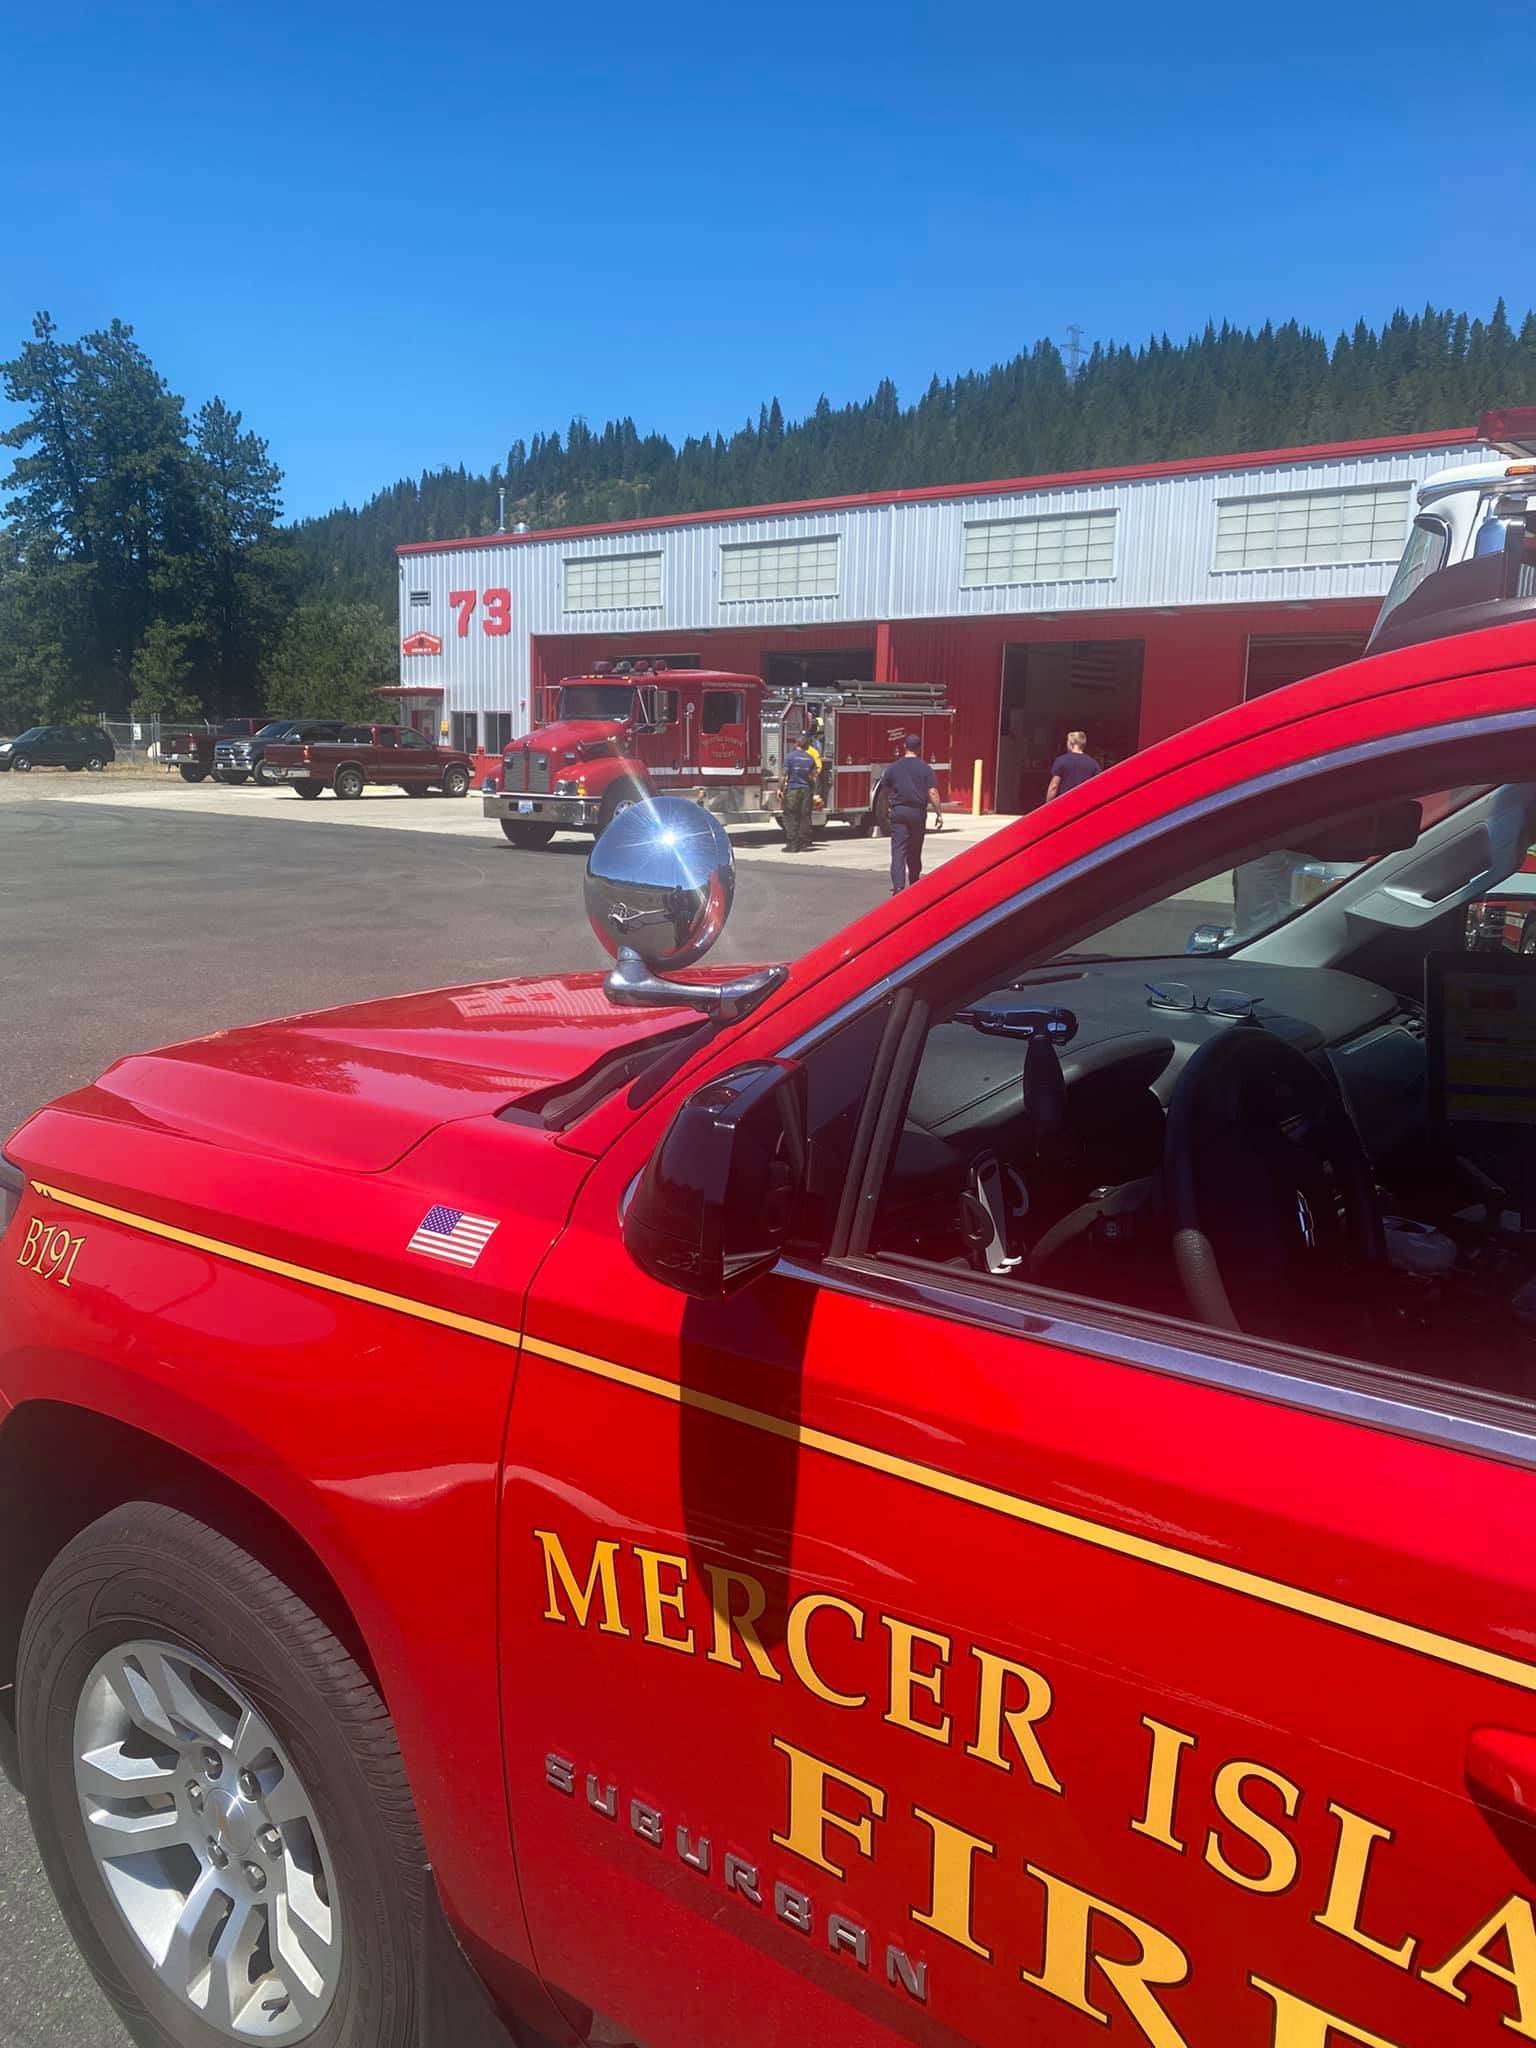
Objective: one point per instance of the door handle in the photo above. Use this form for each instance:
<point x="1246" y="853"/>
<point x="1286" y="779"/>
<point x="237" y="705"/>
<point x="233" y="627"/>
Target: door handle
<point x="1501" y="1772"/>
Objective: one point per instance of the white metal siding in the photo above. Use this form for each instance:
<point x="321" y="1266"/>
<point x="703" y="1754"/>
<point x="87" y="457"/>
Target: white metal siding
<point x="902" y="561"/>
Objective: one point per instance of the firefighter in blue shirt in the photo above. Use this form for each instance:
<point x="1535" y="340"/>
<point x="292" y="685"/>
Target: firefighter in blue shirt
<point x="802" y="766"/>
<point x="910" y="784"/>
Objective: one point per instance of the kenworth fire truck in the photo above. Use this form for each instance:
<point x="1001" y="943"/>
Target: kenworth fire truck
<point x="633" y="728"/>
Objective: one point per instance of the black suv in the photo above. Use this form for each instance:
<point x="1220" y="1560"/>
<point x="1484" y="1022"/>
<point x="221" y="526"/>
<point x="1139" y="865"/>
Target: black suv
<point x="58" y="746"/>
<point x="234" y="759"/>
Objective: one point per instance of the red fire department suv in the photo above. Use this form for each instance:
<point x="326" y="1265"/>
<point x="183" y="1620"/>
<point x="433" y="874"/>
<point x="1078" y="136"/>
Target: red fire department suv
<point x="979" y="1487"/>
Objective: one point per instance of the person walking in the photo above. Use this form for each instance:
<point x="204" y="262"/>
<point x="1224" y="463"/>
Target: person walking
<point x="1073" y="768"/>
<point x="801" y="768"/>
<point x="913" y="792"/>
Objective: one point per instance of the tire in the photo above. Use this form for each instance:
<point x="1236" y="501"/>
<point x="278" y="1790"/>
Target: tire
<point x="179" y="1601"/>
<point x="455" y="782"/>
<point x="622" y="797"/>
<point x="349" y="783"/>
<point x="415" y="789"/>
<point x="308" y="790"/>
<point x="97" y="764"/>
<point x="527" y="836"/>
<point x="263" y="777"/>
<point x="74" y="767"/>
<point x="21" y="764"/>
<point x="233" y="777"/>
<point x="190" y="774"/>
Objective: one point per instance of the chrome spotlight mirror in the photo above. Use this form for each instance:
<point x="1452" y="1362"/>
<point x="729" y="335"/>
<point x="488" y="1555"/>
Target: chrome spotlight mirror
<point x="659" y="886"/>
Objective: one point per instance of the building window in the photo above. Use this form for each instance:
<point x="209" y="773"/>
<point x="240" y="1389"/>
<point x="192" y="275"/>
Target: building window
<point x="779" y="568"/>
<point x="1069" y="549"/>
<point x="1312" y="526"/>
<point x="602" y="583"/>
<point x="498" y="731"/>
<point x="466" y="732"/>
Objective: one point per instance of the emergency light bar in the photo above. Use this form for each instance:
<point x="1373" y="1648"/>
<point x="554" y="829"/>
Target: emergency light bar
<point x="1510" y="427"/>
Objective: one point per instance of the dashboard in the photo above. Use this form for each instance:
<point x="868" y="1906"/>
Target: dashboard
<point x="1129" y="1050"/>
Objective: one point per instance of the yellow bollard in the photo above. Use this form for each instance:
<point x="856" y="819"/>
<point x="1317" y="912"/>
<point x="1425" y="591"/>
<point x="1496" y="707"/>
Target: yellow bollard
<point x="976" y="791"/>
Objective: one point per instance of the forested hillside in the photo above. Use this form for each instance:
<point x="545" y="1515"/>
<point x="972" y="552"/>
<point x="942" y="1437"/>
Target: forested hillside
<point x="1224" y="390"/>
<point x="143" y="560"/>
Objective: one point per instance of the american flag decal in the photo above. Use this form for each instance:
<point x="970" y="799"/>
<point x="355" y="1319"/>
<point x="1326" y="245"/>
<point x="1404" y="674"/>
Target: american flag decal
<point x="450" y="1234"/>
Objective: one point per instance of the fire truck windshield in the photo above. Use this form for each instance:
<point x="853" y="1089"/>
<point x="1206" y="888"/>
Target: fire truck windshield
<point x="596" y="700"/>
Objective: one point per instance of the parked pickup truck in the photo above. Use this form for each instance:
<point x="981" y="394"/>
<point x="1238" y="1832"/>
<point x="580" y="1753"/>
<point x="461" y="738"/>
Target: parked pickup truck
<point x="976" y="1487"/>
<point x="192" y="750"/>
<point x="361" y="754"/>
<point x="235" y="757"/>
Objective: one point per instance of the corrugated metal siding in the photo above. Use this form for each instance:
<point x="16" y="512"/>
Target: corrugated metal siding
<point x="896" y="563"/>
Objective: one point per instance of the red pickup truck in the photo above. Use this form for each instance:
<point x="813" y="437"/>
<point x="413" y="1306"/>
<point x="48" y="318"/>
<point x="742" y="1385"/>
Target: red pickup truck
<point x="361" y="754"/>
<point x="977" y="1487"/>
<point x="192" y="750"/>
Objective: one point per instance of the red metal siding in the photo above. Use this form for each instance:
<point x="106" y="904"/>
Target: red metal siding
<point x="1192" y="667"/>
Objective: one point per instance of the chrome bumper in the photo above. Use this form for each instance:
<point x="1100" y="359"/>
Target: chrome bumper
<point x="580" y="812"/>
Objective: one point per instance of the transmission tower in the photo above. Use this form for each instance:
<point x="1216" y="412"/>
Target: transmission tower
<point x="1074" y="348"/>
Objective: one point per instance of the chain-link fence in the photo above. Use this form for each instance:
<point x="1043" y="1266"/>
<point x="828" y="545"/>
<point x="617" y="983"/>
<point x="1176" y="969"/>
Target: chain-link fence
<point x="138" y="739"/>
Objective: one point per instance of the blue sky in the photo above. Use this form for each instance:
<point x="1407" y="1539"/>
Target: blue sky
<point x="398" y="237"/>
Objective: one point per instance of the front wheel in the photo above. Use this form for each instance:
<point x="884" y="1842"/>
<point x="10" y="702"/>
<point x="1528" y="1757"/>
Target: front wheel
<point x="21" y="764"/>
<point x="263" y="775"/>
<point x="455" y="782"/>
<point x="217" y="1795"/>
<point x="349" y="783"/>
<point x="528" y="836"/>
<point x="190" y="774"/>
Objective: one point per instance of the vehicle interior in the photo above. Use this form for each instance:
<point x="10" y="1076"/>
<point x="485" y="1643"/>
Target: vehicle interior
<point x="1286" y="1100"/>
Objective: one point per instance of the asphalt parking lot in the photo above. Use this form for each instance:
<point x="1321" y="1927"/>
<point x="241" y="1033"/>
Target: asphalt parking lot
<point x="124" y="925"/>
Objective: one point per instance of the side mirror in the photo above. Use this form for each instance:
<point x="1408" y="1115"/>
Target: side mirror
<point x="712" y="1210"/>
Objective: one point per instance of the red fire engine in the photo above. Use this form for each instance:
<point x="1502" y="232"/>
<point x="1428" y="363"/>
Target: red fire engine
<point x="631" y="729"/>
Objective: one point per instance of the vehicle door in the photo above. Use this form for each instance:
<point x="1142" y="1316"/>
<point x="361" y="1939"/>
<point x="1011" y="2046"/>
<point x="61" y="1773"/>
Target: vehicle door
<point x="898" y="1649"/>
<point x="50" y="749"/>
<point x="722" y="735"/>
<point x="420" y="762"/>
<point x="658" y="742"/>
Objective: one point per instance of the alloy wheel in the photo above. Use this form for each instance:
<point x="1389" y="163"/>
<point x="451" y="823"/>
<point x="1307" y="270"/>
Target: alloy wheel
<point x="207" y="1842"/>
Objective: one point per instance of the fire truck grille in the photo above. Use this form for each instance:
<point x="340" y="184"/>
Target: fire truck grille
<point x="538" y="772"/>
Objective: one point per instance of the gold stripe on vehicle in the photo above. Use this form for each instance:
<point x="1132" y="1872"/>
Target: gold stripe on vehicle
<point x="1362" y="1621"/>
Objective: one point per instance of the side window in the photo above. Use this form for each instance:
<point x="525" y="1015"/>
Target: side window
<point x="666" y="706"/>
<point x="352" y="736"/>
<point x="722" y="708"/>
<point x="1286" y="1102"/>
<point x="415" y="740"/>
<point x="837" y="1080"/>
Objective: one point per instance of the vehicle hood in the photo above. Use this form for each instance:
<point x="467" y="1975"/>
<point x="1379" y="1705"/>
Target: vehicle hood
<point x="358" y="1087"/>
<point x="573" y="733"/>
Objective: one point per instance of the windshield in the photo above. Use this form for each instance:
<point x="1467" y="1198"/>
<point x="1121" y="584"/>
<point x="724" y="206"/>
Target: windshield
<point x="32" y="732"/>
<point x="596" y="700"/>
<point x="276" y="729"/>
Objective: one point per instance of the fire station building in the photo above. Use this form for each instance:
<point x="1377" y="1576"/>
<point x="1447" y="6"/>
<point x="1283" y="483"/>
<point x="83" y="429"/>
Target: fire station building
<point x="1127" y="602"/>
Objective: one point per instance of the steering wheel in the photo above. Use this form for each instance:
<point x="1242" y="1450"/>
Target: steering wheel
<point x="1270" y="1193"/>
